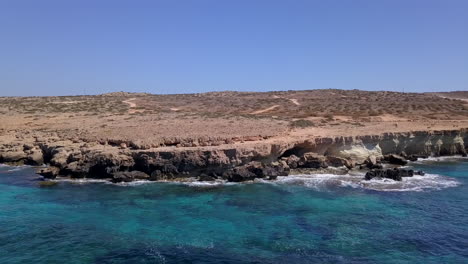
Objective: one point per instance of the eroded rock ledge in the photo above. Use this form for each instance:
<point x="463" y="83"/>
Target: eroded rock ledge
<point x="235" y="162"/>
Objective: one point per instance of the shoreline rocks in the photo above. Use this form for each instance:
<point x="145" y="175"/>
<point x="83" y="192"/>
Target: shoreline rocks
<point x="395" y="174"/>
<point x="395" y="159"/>
<point x="234" y="163"/>
<point x="128" y="176"/>
<point x="49" y="172"/>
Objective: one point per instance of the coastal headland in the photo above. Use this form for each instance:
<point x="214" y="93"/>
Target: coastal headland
<point x="233" y="136"/>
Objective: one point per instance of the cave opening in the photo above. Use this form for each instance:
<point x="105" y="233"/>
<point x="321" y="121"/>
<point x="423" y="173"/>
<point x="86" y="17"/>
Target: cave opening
<point x="297" y="150"/>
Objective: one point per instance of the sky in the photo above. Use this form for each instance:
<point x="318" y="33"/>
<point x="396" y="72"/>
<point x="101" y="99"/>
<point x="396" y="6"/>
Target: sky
<point x="71" y="47"/>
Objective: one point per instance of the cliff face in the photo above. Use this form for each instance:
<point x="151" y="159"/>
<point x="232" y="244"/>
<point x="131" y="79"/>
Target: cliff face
<point x="423" y="143"/>
<point x="234" y="162"/>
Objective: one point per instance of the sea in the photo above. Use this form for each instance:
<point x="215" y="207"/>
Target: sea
<point x="296" y="219"/>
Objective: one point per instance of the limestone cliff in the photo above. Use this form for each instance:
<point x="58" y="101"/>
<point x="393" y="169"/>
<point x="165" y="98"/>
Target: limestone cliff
<point x="236" y="162"/>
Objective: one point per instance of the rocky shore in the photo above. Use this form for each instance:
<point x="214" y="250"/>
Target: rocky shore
<point x="119" y="162"/>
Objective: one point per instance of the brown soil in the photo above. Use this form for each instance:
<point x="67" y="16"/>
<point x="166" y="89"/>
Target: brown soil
<point x="230" y="117"/>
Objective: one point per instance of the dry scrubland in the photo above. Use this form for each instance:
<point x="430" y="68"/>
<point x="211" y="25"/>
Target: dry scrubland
<point x="189" y="120"/>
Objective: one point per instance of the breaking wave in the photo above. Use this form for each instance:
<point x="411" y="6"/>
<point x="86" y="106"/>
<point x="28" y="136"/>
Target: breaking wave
<point x="17" y="168"/>
<point x="329" y="181"/>
<point x="80" y="180"/>
<point x="192" y="182"/>
<point x="211" y="184"/>
<point x="438" y="159"/>
<point x="319" y="182"/>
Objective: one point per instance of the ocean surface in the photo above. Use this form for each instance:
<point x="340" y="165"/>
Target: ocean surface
<point x="297" y="219"/>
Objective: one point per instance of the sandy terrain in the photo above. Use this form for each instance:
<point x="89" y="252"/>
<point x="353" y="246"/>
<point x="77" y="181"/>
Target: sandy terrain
<point x="265" y="110"/>
<point x="294" y="101"/>
<point x="190" y="120"/>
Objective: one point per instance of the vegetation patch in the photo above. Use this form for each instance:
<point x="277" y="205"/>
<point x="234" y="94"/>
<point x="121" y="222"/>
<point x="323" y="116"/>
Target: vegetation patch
<point x="301" y="123"/>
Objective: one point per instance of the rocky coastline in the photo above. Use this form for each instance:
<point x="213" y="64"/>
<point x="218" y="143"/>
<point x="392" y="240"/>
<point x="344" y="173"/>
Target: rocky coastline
<point x="125" y="162"/>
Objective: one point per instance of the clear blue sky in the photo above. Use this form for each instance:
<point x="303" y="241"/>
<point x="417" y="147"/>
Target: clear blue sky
<point x="64" y="47"/>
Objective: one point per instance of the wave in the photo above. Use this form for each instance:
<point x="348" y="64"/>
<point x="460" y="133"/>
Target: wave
<point x="192" y="182"/>
<point x="79" y="181"/>
<point x="415" y="183"/>
<point x="319" y="182"/>
<point x="210" y="184"/>
<point x="132" y="183"/>
<point x="436" y="159"/>
<point x="15" y="168"/>
<point x="329" y="181"/>
<point x="189" y="182"/>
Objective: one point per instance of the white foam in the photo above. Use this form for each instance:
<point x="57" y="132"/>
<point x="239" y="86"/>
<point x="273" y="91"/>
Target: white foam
<point x="444" y="158"/>
<point x="326" y="181"/>
<point x="192" y="182"/>
<point x="315" y="181"/>
<point x="18" y="168"/>
<point x="80" y="181"/>
<point x="415" y="183"/>
<point x="132" y="183"/>
<point x="208" y="184"/>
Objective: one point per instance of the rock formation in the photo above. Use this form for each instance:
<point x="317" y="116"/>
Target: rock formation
<point x="236" y="163"/>
<point x="394" y="174"/>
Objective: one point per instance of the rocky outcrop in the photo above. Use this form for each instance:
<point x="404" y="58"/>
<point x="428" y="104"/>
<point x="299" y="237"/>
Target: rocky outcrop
<point x="312" y="161"/>
<point x="394" y="174"/>
<point x="395" y="159"/>
<point x="49" y="173"/>
<point x="128" y="176"/>
<point x="266" y="160"/>
<point x="254" y="170"/>
<point x="340" y="162"/>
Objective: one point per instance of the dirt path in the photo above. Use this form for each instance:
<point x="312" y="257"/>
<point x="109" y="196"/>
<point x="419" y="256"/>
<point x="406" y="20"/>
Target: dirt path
<point x="265" y="110"/>
<point x="132" y="105"/>
<point x="294" y="101"/>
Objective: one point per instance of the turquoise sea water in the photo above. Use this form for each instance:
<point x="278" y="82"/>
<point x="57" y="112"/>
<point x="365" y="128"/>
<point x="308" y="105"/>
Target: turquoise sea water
<point x="296" y="220"/>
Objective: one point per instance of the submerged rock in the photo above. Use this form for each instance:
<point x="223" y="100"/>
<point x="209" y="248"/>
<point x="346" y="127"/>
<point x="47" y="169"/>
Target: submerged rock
<point x="416" y="157"/>
<point x="292" y="161"/>
<point x="204" y="177"/>
<point x="395" y="159"/>
<point x="35" y="157"/>
<point x="394" y="174"/>
<point x="13" y="156"/>
<point x="47" y="183"/>
<point x="373" y="163"/>
<point x="413" y="157"/>
<point x="128" y="176"/>
<point x="256" y="169"/>
<point x="49" y="173"/>
<point x="313" y="161"/>
<point x="339" y="162"/>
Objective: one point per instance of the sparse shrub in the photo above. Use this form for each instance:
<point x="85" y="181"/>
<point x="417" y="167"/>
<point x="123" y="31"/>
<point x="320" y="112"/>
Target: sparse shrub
<point x="301" y="123"/>
<point x="329" y="117"/>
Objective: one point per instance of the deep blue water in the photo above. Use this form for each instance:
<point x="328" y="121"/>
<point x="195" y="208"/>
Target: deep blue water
<point x="292" y="221"/>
